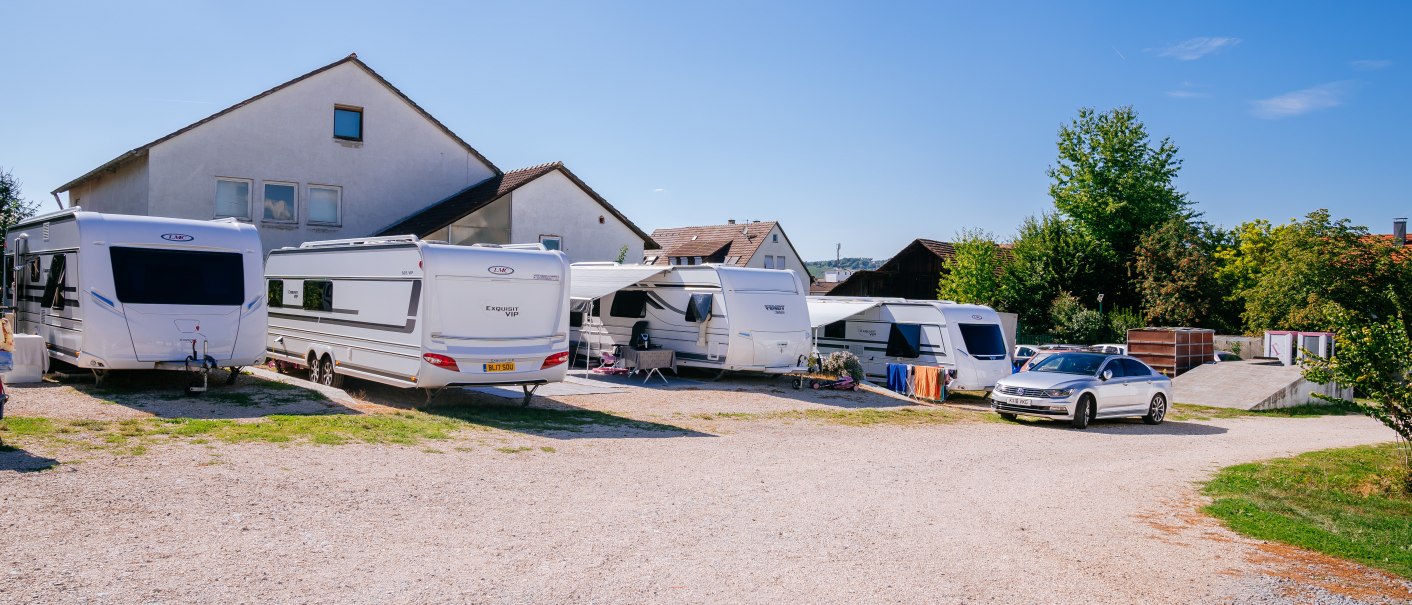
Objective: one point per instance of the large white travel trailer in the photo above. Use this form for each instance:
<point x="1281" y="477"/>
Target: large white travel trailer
<point x="966" y="339"/>
<point x="714" y="317"/>
<point x="120" y="292"/>
<point x="409" y="313"/>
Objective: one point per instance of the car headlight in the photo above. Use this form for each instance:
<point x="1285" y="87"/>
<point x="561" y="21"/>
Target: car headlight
<point x="1057" y="393"/>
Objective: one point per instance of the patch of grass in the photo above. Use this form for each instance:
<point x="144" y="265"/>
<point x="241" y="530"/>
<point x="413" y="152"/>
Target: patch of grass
<point x="1343" y="502"/>
<point x="908" y="416"/>
<point x="1187" y="411"/>
<point x="513" y="450"/>
<point x="26" y="427"/>
<point x="548" y="450"/>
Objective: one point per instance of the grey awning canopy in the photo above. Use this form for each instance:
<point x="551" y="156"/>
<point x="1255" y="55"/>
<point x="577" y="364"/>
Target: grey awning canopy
<point x="589" y="282"/>
<point x="823" y="311"/>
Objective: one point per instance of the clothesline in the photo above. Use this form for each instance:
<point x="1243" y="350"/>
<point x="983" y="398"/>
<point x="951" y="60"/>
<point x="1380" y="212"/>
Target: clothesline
<point x="921" y="382"/>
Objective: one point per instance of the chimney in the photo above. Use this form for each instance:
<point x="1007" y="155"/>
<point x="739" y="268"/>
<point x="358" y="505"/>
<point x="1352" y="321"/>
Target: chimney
<point x="1399" y="231"/>
<point x="730" y="221"/>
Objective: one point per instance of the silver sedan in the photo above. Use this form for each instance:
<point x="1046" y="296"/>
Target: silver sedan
<point x="1080" y="387"/>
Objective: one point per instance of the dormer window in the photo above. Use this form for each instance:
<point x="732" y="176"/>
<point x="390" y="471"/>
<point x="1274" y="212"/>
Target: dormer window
<point x="347" y="123"/>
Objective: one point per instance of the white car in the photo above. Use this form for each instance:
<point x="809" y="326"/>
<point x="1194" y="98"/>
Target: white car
<point x="1080" y="387"/>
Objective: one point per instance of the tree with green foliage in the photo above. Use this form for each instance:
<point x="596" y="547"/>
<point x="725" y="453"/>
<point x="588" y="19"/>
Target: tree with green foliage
<point x="973" y="275"/>
<point x="1303" y="270"/>
<point x="1121" y="320"/>
<point x="1074" y="323"/>
<point x="1051" y="255"/>
<point x="13" y="207"/>
<point x="1374" y="356"/>
<point x="1175" y="274"/>
<point x="1115" y="185"/>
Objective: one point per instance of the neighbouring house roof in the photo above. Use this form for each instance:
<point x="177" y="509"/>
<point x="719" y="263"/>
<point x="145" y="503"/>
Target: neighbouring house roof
<point x="741" y="241"/>
<point x="481" y="194"/>
<point x="942" y="250"/>
<point x="352" y="58"/>
<point x="820" y="288"/>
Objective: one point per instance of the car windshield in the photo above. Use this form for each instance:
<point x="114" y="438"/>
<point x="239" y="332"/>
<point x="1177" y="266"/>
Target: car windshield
<point x="1071" y="363"/>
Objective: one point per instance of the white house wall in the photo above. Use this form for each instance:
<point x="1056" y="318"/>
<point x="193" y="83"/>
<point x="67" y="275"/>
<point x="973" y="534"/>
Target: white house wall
<point x="553" y="205"/>
<point x="123" y="191"/>
<point x="770" y="247"/>
<point x="404" y="163"/>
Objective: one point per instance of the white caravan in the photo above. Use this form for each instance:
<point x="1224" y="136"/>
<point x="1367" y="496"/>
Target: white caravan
<point x="966" y="339"/>
<point x="714" y="317"/>
<point x="411" y="313"/>
<point x="121" y="292"/>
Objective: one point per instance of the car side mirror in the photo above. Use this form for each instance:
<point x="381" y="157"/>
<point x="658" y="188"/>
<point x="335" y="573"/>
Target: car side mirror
<point x="1106" y="375"/>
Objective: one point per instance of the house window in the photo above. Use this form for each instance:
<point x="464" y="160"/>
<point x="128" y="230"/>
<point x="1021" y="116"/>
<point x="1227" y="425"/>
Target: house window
<point x="233" y="198"/>
<point x="775" y="237"/>
<point x="649" y="260"/>
<point x="318" y="295"/>
<point x="552" y="242"/>
<point x="347" y="123"/>
<point x="779" y="263"/>
<point x="769" y="262"/>
<point x="279" y="205"/>
<point x="696" y="260"/>
<point x="325" y="205"/>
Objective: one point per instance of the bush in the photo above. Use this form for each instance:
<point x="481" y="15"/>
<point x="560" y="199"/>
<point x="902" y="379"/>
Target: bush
<point x="1074" y="324"/>
<point x="843" y="362"/>
<point x="1122" y="320"/>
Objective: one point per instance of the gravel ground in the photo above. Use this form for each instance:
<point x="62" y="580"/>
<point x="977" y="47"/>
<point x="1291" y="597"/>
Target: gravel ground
<point x="725" y="510"/>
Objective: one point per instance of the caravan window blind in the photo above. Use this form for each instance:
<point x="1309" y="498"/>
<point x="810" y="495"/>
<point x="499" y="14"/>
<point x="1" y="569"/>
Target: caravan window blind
<point x="178" y="277"/>
<point x="698" y="309"/>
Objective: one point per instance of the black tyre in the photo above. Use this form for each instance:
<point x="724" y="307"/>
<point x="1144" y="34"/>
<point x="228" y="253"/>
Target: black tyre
<point x="328" y="376"/>
<point x="1157" y="410"/>
<point x="1007" y="415"/>
<point x="1083" y="412"/>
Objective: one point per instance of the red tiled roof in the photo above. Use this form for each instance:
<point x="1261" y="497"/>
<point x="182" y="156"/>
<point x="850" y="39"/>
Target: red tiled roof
<point x="742" y="239"/>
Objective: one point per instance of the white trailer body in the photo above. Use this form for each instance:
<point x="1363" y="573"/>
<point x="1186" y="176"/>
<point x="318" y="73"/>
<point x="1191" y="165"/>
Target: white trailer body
<point x="408" y="313"/>
<point x="122" y="292"/>
<point x="966" y="339"/>
<point x="722" y="318"/>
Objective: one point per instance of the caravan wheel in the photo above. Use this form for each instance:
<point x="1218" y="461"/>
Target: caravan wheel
<point x="315" y="371"/>
<point x="327" y="376"/>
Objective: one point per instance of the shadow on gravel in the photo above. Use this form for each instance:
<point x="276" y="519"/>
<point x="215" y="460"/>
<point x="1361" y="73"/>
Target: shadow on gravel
<point x="20" y="461"/>
<point x="544" y="417"/>
<point x="163" y="394"/>
<point x="692" y="379"/>
<point x="1130" y="426"/>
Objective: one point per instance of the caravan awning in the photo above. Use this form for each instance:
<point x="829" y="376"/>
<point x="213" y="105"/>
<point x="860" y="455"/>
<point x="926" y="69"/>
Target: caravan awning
<point x="823" y="311"/>
<point x="590" y="282"/>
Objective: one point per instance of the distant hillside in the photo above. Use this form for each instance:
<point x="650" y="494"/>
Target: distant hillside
<point x="817" y="267"/>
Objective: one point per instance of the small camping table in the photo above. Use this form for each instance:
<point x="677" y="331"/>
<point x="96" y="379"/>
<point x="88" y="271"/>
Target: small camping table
<point x="652" y="360"/>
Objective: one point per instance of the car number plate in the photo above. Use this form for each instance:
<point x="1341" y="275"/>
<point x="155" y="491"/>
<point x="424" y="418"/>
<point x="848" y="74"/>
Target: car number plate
<point x="508" y="366"/>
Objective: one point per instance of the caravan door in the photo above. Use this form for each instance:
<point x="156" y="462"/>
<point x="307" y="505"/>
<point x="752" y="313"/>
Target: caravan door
<point x="177" y="300"/>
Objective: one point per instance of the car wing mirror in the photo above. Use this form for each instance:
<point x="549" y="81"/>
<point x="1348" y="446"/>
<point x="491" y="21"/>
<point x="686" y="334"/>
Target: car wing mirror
<point x="1106" y="375"/>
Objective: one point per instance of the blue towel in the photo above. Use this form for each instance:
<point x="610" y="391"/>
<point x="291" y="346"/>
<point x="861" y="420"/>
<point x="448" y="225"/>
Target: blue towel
<point x="897" y="377"/>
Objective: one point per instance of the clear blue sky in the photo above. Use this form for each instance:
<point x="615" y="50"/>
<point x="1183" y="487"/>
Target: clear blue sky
<point x="865" y="123"/>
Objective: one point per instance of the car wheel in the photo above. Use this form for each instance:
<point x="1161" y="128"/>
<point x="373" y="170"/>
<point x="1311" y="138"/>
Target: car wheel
<point x="1083" y="412"/>
<point x="1157" y="410"/>
<point x="330" y="378"/>
<point x="315" y="371"/>
<point x="1007" y="415"/>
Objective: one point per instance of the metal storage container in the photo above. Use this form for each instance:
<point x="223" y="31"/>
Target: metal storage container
<point x="1172" y="351"/>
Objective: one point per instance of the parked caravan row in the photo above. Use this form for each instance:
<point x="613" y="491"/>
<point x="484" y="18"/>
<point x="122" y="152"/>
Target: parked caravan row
<point x="714" y="317"/>
<point x="118" y="292"/>
<point x="408" y="313"/>
<point x="967" y="340"/>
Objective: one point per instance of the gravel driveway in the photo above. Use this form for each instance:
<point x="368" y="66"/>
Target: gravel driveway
<point x="728" y="510"/>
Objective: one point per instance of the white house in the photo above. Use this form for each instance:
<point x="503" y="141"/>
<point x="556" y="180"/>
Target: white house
<point x="340" y="152"/>
<point x="759" y="244"/>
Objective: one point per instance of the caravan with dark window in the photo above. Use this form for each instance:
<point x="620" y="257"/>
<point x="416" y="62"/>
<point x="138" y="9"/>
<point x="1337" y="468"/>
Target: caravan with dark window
<point x="965" y="339"/>
<point x="410" y="313"/>
<point x="714" y="317"/>
<point x="120" y="292"/>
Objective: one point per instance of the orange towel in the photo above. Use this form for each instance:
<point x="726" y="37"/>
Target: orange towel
<point x="928" y="385"/>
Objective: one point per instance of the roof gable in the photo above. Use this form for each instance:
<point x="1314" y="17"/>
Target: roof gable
<point x="742" y="240"/>
<point x="480" y="195"/>
<point x="351" y="58"/>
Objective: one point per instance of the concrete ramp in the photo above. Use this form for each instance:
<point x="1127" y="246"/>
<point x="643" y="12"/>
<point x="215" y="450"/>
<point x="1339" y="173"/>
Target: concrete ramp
<point x="1250" y="385"/>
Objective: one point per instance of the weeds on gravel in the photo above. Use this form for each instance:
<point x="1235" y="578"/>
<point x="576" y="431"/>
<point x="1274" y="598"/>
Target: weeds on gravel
<point x="1186" y="411"/>
<point x="1342" y="502"/>
<point x="536" y="420"/>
